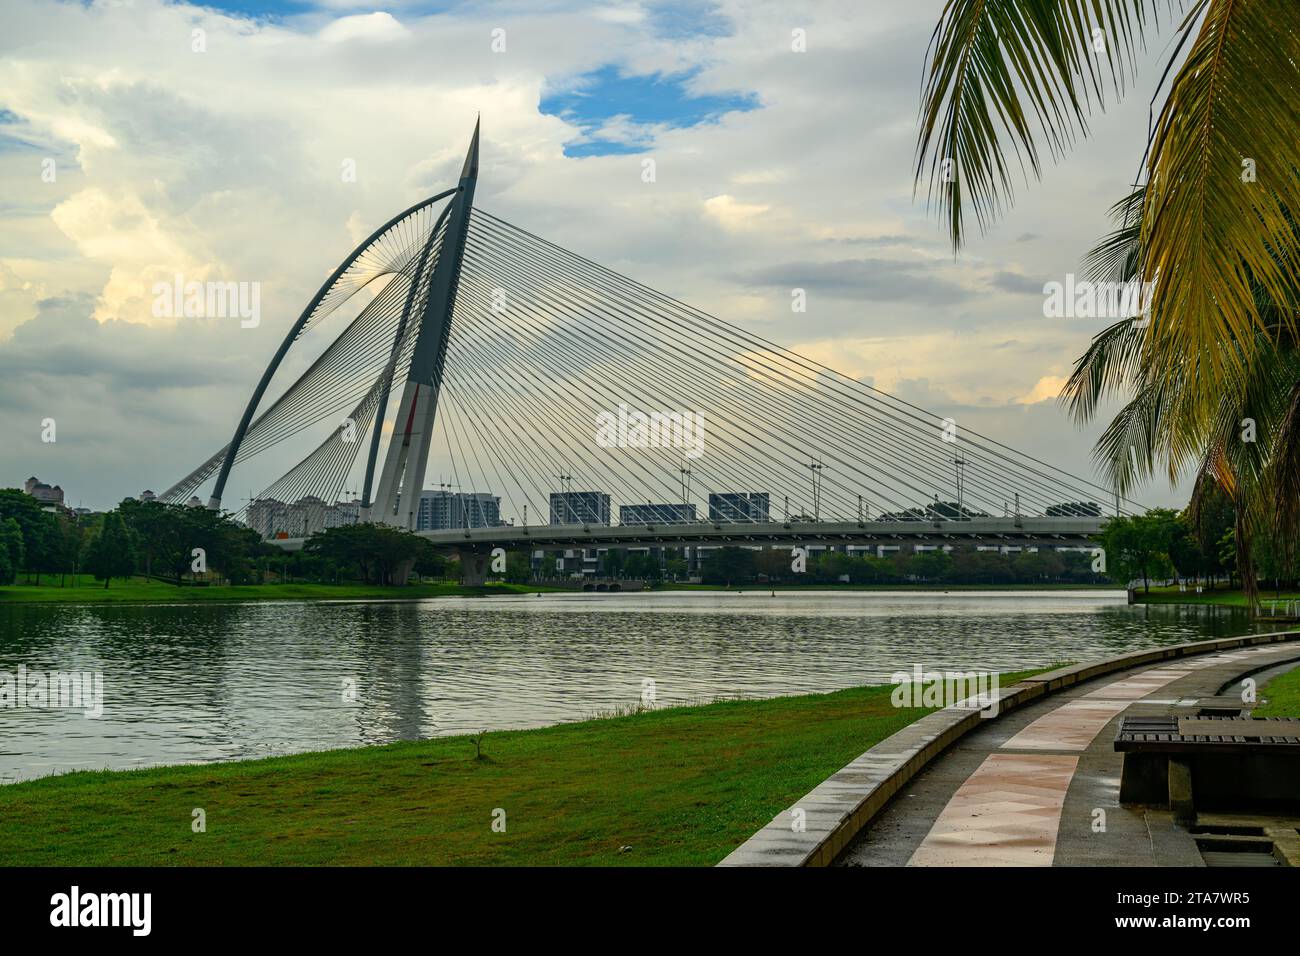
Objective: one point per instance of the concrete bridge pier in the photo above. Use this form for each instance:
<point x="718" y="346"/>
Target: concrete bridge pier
<point x="402" y="572"/>
<point x="473" y="567"/>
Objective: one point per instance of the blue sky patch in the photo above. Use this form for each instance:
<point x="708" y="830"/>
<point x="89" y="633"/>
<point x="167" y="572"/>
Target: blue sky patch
<point x="279" y="9"/>
<point x="619" y="113"/>
<point x="679" y="19"/>
<point x="261" y="9"/>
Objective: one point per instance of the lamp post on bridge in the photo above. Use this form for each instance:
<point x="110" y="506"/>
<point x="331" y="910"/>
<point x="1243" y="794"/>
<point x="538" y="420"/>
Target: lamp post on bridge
<point x="816" y="466"/>
<point x="960" y="463"/>
<point x="566" y="485"/>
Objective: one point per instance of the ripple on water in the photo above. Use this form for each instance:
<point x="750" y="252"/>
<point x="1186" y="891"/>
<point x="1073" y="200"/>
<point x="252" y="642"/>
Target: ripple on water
<point x="186" y="683"/>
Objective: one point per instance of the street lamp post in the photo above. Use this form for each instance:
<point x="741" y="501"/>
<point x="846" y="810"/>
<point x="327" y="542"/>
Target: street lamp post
<point x="815" y="466"/>
<point x="960" y="463"/>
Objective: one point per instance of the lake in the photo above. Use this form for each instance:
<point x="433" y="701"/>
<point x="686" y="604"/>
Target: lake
<point x="190" y="683"/>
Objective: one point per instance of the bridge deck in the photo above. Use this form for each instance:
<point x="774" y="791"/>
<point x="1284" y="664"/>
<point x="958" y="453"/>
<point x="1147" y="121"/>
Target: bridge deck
<point x="1011" y="530"/>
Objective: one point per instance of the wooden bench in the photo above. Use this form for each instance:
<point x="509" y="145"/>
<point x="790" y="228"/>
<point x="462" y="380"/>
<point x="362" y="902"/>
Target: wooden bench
<point x="1216" y="762"/>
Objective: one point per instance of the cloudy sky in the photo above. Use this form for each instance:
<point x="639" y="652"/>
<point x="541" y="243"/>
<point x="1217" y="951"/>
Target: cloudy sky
<point x="776" y="169"/>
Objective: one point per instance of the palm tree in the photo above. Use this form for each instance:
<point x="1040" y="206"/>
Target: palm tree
<point x="1241" y="448"/>
<point x="1209" y="225"/>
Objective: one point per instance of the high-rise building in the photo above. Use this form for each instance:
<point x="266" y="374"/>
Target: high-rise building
<point x="656" y="514"/>
<point x="729" y="506"/>
<point x="343" y="513"/>
<point x="579" y="507"/>
<point x="303" y="518"/>
<point x="268" y="517"/>
<point x="444" y="510"/>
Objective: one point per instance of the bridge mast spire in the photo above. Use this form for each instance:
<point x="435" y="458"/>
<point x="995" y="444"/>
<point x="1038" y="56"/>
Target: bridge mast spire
<point x="397" y="500"/>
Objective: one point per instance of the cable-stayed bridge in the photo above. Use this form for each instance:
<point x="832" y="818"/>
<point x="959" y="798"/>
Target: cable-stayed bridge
<point x="601" y="412"/>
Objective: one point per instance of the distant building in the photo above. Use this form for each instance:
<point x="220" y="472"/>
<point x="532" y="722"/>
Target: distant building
<point x="739" y="506"/>
<point x="579" y="507"/>
<point x="656" y="514"/>
<point x="303" y="518"/>
<point x="148" y="495"/>
<point x="444" y="510"/>
<point x="267" y="517"/>
<point x="194" y="502"/>
<point x="343" y="513"/>
<point x="1074" y="509"/>
<point x="45" y="494"/>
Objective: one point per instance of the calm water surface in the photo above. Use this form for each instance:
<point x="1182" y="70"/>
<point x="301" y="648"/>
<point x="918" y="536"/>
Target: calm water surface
<point x="194" y="683"/>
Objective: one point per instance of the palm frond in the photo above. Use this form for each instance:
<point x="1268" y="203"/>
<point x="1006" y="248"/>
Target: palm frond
<point x="1126" y="450"/>
<point x="1118" y="256"/>
<point x="1108" y="365"/>
<point x="1214" y="241"/>
<point x="1284" y="468"/>
<point x="1018" y="71"/>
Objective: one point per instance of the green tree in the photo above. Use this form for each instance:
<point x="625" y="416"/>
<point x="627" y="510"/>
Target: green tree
<point x="1274" y="558"/>
<point x="11" y="550"/>
<point x="111" y="553"/>
<point x="155" y="528"/>
<point x="376" y="551"/>
<point x="613" y="562"/>
<point x="1137" y="546"/>
<point x="933" y="567"/>
<point x="1227" y="549"/>
<point x="39" y="529"/>
<point x="431" y="563"/>
<point x="1038" y="567"/>
<point x="1212" y="518"/>
<point x="519" y="567"/>
<point x="730" y="565"/>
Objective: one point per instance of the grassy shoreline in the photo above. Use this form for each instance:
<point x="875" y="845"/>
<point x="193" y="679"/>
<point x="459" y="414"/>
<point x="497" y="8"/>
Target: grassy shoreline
<point x="139" y="590"/>
<point x="938" y="588"/>
<point x="680" y="786"/>
<point x="1225" y="597"/>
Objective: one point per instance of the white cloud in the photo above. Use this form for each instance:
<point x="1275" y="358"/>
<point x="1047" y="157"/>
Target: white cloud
<point x="1045" y="389"/>
<point x="372" y="27"/>
<point x="227" y="164"/>
<point x="732" y="214"/>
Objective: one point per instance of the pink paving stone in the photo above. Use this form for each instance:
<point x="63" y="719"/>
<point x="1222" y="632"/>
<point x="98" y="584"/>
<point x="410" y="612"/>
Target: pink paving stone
<point x="1072" y="726"/>
<point x="1133" y="688"/>
<point x="1008" y="812"/>
<point x="977" y="828"/>
<point x="1076" y="723"/>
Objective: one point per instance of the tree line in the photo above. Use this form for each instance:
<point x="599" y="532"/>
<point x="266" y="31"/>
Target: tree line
<point x="181" y="544"/>
<point x="733" y="565"/>
<point x="164" y="542"/>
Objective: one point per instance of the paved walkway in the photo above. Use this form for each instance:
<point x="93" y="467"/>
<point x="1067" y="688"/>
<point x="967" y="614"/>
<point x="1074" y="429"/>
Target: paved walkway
<point x="1039" y="786"/>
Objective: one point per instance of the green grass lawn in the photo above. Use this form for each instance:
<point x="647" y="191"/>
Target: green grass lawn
<point x="679" y="786"/>
<point x="89" y="591"/>
<point x="1282" y="694"/>
<point x="86" y="590"/>
<point x="1231" y="597"/>
<point x="674" y="586"/>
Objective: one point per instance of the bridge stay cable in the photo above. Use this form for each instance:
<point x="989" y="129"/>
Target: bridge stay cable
<point x="516" y="349"/>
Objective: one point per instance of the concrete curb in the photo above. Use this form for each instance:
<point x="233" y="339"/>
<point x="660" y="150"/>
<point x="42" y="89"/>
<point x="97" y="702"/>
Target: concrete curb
<point x="842" y="805"/>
